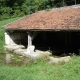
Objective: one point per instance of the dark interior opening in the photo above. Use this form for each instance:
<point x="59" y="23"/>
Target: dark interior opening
<point x="19" y="37"/>
<point x="59" y="42"/>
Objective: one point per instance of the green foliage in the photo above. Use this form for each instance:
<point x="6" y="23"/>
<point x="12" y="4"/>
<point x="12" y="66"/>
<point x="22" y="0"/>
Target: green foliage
<point x="40" y="4"/>
<point x="1" y="39"/>
<point x="24" y="8"/>
<point x="14" y="8"/>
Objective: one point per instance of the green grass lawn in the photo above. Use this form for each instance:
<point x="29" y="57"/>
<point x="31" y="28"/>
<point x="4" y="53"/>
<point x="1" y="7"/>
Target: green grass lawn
<point x="2" y="23"/>
<point x="43" y="71"/>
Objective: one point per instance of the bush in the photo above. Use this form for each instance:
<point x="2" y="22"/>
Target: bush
<point x="4" y="16"/>
<point x="21" y="14"/>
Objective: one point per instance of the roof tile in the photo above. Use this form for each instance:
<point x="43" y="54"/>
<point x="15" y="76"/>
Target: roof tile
<point x="65" y="18"/>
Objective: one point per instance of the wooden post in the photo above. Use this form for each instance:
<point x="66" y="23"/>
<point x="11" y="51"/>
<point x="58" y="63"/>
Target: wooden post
<point x="29" y="39"/>
<point x="66" y="41"/>
<point x="75" y="2"/>
<point x="34" y="35"/>
<point x="70" y="39"/>
<point x="63" y="3"/>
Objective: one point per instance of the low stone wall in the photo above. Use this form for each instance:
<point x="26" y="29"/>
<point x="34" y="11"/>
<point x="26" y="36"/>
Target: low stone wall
<point x="19" y="49"/>
<point x="59" y="60"/>
<point x="45" y="55"/>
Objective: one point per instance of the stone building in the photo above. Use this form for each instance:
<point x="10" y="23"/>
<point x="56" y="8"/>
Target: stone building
<point x="58" y="28"/>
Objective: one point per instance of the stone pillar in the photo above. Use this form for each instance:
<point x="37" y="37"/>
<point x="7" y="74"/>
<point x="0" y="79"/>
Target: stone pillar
<point x="30" y="48"/>
<point x="29" y="39"/>
<point x="7" y="39"/>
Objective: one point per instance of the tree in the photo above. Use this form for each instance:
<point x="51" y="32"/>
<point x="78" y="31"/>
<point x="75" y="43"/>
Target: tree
<point x="14" y="8"/>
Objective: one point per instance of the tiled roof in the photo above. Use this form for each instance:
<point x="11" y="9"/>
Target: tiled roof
<point x="62" y="18"/>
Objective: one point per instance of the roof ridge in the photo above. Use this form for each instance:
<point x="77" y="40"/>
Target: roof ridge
<point x="72" y="6"/>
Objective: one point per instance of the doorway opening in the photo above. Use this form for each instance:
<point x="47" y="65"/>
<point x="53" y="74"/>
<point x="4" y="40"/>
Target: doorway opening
<point x="59" y="42"/>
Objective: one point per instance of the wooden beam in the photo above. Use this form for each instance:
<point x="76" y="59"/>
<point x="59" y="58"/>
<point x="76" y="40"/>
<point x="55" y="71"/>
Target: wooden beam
<point x="34" y="35"/>
<point x="31" y="36"/>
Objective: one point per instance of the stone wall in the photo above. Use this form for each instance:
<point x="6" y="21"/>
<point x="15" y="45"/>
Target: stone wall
<point x="12" y="38"/>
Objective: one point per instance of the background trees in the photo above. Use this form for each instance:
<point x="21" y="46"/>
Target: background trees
<point x="18" y="8"/>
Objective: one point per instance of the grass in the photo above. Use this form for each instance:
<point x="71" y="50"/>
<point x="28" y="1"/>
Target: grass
<point x="42" y="71"/>
<point x="2" y="23"/>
